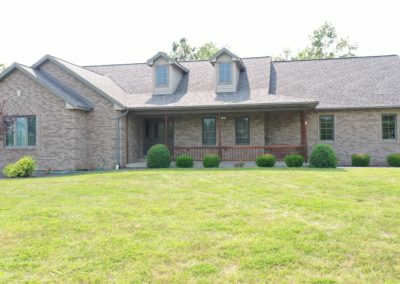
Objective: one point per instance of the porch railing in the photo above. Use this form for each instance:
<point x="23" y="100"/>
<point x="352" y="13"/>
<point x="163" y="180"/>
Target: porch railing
<point x="239" y="153"/>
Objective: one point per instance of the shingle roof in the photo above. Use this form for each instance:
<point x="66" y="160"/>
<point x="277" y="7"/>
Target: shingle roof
<point x="68" y="96"/>
<point x="197" y="88"/>
<point x="358" y="82"/>
<point x="102" y="84"/>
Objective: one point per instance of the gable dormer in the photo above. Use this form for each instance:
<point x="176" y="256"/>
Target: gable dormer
<point x="167" y="73"/>
<point x="228" y="67"/>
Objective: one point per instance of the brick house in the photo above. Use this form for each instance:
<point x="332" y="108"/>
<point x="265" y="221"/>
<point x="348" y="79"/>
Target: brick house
<point x="91" y="117"/>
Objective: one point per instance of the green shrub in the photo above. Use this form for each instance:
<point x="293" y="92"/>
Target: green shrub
<point x="394" y="160"/>
<point x="360" y="160"/>
<point x="24" y="167"/>
<point x="266" y="160"/>
<point x="158" y="156"/>
<point x="294" y="160"/>
<point x="323" y="156"/>
<point x="184" y="161"/>
<point x="211" y="161"/>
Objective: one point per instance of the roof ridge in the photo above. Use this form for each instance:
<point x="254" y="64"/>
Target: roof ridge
<point x="336" y="58"/>
<point x="184" y="61"/>
<point x="76" y="65"/>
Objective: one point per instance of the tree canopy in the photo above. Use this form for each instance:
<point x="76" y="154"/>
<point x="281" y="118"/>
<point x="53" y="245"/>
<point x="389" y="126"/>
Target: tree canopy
<point x="324" y="43"/>
<point x="182" y="51"/>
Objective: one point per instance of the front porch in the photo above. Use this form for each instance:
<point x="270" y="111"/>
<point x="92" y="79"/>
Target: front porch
<point x="279" y="133"/>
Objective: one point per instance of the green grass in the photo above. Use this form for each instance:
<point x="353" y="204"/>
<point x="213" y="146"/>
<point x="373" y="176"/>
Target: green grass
<point x="224" y="226"/>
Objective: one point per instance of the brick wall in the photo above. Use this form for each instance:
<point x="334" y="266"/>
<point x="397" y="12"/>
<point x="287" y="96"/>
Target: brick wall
<point x="356" y="131"/>
<point x="101" y="123"/>
<point x="59" y="134"/>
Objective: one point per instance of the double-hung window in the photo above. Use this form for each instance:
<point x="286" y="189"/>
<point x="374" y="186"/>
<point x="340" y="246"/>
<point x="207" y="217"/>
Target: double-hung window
<point x="389" y="127"/>
<point x="242" y="130"/>
<point x="21" y="131"/>
<point x="161" y="75"/>
<point x="326" y="127"/>
<point x="209" y="131"/>
<point x="225" y="72"/>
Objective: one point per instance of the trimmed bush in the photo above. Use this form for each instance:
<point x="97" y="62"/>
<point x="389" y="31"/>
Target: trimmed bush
<point x="158" y="156"/>
<point x="394" y="160"/>
<point x="266" y="160"/>
<point x="211" y="161"/>
<point x="184" y="161"/>
<point x="323" y="156"/>
<point x="294" y="160"/>
<point x="360" y="160"/>
<point x="24" y="167"/>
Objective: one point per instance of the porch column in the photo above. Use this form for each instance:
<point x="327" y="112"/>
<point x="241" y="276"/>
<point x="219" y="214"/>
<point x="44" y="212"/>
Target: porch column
<point x="303" y="127"/>
<point x="219" y="137"/>
<point x="166" y="130"/>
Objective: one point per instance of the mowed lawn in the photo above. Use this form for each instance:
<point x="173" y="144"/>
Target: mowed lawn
<point x="220" y="226"/>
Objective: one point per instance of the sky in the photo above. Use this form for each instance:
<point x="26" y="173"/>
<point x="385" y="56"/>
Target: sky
<point x="88" y="32"/>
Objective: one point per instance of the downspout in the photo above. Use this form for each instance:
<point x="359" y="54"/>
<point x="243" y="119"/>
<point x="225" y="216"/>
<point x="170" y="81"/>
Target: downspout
<point x="118" y="139"/>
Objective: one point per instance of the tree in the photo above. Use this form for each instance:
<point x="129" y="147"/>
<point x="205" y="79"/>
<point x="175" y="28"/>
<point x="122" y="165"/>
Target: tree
<point x="324" y="43"/>
<point x="182" y="51"/>
<point x="206" y="51"/>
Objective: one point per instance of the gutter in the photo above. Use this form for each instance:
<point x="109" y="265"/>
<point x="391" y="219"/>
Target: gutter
<point x="118" y="139"/>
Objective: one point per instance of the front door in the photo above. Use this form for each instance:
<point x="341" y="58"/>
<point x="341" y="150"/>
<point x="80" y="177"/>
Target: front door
<point x="154" y="133"/>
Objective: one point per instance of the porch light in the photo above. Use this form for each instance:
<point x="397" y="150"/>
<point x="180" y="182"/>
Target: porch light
<point x="223" y="117"/>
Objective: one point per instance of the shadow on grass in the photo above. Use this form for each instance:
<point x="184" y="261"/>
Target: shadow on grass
<point x="41" y="174"/>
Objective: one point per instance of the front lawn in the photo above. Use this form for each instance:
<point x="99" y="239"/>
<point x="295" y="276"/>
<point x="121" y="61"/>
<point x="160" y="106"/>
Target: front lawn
<point x="232" y="225"/>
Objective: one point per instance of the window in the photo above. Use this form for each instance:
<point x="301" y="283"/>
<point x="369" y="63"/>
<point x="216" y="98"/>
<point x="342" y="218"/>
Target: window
<point x="389" y="127"/>
<point x="326" y="127"/>
<point x="209" y="134"/>
<point x="21" y="131"/>
<point x="242" y="131"/>
<point x="162" y="75"/>
<point x="224" y="72"/>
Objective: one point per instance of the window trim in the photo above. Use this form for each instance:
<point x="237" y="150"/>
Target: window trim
<point x="334" y="128"/>
<point x="249" y="130"/>
<point x="395" y="127"/>
<point x="156" y="76"/>
<point x="202" y="130"/>
<point x="219" y="74"/>
<point x="27" y="133"/>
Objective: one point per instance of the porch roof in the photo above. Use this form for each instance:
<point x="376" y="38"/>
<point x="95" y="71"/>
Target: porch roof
<point x="223" y="108"/>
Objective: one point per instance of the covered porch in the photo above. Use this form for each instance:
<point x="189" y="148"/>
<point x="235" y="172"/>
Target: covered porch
<point x="279" y="132"/>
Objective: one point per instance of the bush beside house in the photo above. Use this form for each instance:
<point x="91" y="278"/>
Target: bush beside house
<point x="211" y="161"/>
<point x="394" y="160"/>
<point x="266" y="160"/>
<point x="323" y="156"/>
<point x="294" y="160"/>
<point x="360" y="160"/>
<point x="158" y="156"/>
<point x="25" y="167"/>
<point x="184" y="161"/>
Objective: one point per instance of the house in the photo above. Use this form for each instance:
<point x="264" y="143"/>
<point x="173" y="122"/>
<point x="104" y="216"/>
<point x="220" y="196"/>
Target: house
<point x="92" y="117"/>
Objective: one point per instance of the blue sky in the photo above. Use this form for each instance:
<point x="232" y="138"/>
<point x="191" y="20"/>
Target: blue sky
<point x="118" y="31"/>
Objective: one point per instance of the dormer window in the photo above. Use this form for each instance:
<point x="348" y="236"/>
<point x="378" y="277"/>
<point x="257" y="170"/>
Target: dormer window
<point x="167" y="73"/>
<point x="162" y="75"/>
<point x="228" y="69"/>
<point x="225" y="72"/>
